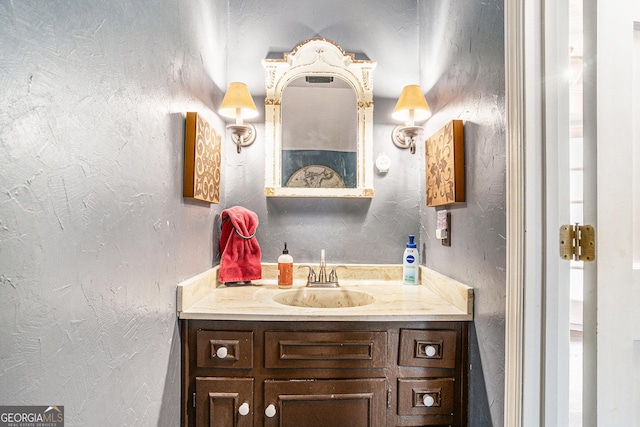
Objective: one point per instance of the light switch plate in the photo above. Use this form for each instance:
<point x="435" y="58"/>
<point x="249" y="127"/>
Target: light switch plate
<point x="443" y="227"/>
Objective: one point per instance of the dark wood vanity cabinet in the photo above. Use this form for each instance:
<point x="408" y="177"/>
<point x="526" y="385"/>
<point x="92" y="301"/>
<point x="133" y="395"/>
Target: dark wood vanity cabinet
<point x="297" y="374"/>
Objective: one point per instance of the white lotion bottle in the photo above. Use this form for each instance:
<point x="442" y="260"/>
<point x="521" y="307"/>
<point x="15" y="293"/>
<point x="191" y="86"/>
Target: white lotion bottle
<point x="285" y="269"/>
<point x="410" y="263"/>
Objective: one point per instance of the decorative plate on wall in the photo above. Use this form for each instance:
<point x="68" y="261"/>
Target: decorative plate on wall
<point x="445" y="165"/>
<point x="315" y="176"/>
<point x="201" y="160"/>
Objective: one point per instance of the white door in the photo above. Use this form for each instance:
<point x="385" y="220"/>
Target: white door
<point x="536" y="378"/>
<point x="611" y="146"/>
<point x="612" y="196"/>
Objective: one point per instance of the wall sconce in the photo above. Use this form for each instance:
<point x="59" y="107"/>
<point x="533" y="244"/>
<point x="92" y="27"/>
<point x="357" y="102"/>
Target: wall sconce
<point x="411" y="108"/>
<point x="238" y="104"/>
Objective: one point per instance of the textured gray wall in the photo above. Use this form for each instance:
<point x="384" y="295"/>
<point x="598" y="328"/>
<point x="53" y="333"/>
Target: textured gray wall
<point x="94" y="233"/>
<point x="462" y="68"/>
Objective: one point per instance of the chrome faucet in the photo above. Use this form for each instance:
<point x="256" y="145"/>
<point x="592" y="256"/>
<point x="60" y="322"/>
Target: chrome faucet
<point x="321" y="281"/>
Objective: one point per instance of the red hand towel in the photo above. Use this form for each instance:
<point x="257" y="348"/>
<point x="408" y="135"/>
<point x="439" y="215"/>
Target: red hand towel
<point x="240" y="260"/>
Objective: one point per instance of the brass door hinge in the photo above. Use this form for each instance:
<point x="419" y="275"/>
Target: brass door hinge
<point x="578" y="242"/>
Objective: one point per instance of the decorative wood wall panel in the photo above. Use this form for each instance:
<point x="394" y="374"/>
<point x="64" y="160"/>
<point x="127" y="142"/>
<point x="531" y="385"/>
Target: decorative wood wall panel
<point x="201" y="160"/>
<point x="445" y="165"/>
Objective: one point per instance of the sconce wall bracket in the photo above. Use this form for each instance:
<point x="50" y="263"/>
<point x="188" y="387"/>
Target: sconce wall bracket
<point x="406" y="136"/>
<point x="242" y="135"/>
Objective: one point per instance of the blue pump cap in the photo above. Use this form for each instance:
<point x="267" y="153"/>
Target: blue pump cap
<point x="411" y="243"/>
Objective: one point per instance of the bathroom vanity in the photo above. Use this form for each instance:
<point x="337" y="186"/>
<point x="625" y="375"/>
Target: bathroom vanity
<point x="398" y="359"/>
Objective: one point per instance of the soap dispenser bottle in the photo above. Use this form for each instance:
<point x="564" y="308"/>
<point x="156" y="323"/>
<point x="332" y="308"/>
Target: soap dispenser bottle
<point x="285" y="269"/>
<point x="410" y="262"/>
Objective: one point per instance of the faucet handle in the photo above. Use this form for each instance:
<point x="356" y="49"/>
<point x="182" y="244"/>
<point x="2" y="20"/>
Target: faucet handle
<point x="312" y="274"/>
<point x="333" y="276"/>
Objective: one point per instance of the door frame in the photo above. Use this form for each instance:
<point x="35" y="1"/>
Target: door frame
<point x="524" y="403"/>
<point x="515" y="104"/>
<point x="533" y="314"/>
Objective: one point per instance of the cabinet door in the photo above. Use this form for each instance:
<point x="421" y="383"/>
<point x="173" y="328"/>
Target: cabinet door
<point x="224" y="402"/>
<point x="326" y="403"/>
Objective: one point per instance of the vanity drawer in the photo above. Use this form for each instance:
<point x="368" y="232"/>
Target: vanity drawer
<point x="224" y="349"/>
<point x="426" y="396"/>
<point x="313" y="349"/>
<point x="428" y="348"/>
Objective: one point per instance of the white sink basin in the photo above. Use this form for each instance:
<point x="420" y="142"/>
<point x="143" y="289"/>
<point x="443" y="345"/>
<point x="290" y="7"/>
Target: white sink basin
<point x="323" y="298"/>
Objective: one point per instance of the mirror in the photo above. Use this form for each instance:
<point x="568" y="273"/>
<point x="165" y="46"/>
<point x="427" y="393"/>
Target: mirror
<point x="318" y="123"/>
<point x="319" y="133"/>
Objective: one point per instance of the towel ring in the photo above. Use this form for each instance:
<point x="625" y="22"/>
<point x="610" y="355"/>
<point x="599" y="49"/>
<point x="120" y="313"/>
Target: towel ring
<point x="236" y="230"/>
<point x="244" y="237"/>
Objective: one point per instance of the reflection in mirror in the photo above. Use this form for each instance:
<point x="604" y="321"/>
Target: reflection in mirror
<point x="319" y="133"/>
<point x="318" y="123"/>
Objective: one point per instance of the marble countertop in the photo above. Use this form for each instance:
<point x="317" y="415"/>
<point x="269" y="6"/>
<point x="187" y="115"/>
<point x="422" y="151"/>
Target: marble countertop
<point x="437" y="298"/>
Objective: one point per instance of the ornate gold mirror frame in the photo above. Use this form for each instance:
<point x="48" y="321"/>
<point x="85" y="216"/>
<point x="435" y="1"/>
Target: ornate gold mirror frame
<point x="318" y="58"/>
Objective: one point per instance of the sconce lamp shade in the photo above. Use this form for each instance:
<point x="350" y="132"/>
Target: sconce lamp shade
<point x="411" y="105"/>
<point x="238" y="97"/>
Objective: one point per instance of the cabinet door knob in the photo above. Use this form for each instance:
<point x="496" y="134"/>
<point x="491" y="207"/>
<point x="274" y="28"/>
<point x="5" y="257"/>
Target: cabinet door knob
<point x="430" y="351"/>
<point x="428" y="400"/>
<point x="243" y="409"/>
<point x="222" y="352"/>
<point x="270" y="411"/>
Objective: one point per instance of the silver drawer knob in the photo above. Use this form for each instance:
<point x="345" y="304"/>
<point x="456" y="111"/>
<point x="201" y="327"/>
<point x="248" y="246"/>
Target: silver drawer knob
<point x="270" y="411"/>
<point x="222" y="352"/>
<point x="428" y="400"/>
<point x="243" y="409"/>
